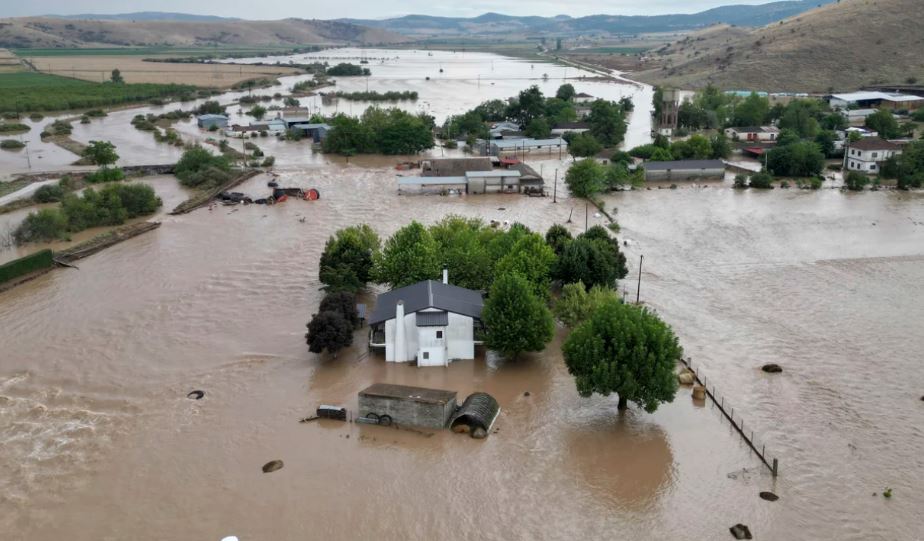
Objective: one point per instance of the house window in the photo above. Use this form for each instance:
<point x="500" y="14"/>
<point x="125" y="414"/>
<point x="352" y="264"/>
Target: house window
<point x="426" y="355"/>
<point x="872" y="167"/>
<point x="875" y="154"/>
<point x="439" y="334"/>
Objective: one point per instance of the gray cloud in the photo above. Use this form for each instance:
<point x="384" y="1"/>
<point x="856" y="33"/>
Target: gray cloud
<point x="327" y="9"/>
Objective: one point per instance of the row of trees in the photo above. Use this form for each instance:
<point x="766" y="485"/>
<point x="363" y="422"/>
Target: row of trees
<point x="588" y="178"/>
<point x="111" y="205"/>
<point x="385" y="131"/>
<point x="908" y="167"/>
<point x="697" y="147"/>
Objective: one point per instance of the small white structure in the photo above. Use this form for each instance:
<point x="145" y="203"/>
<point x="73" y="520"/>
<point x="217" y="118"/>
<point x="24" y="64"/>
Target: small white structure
<point x="875" y="99"/>
<point x="430" y="322"/>
<point x="574" y="127"/>
<point x="583" y="97"/>
<point x="867" y="155"/>
<point x="762" y="134"/>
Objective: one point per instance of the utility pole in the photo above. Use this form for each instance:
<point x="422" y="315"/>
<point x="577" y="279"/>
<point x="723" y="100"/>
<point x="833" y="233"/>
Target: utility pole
<point x="555" y="192"/>
<point x="585" y="216"/>
<point x="638" y="290"/>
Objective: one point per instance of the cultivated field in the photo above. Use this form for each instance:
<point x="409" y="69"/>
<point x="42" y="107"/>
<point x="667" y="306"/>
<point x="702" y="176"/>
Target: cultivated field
<point x="9" y="62"/>
<point x="135" y="70"/>
<point x="30" y="91"/>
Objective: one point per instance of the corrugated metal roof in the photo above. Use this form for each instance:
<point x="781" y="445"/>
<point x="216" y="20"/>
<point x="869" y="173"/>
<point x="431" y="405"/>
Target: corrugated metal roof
<point x="430" y="181"/>
<point x="432" y="319"/>
<point x="406" y="392"/>
<point x="499" y="173"/>
<point x="521" y="143"/>
<point x="428" y="294"/>
<point x="478" y="411"/>
<point x="684" y="165"/>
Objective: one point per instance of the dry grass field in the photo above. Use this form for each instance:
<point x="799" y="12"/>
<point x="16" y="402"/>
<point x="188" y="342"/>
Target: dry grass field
<point x="135" y="70"/>
<point x="841" y="46"/>
<point x="9" y="62"/>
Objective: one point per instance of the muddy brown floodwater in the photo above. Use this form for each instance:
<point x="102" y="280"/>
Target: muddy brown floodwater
<point x="100" y="442"/>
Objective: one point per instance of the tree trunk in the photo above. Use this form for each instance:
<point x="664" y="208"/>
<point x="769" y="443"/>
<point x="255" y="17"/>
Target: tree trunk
<point x="623" y="404"/>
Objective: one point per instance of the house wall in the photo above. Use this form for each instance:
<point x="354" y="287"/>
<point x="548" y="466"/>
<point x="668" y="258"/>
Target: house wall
<point x="457" y="343"/>
<point x="685" y="174"/>
<point x="460" y="336"/>
<point x="408" y="412"/>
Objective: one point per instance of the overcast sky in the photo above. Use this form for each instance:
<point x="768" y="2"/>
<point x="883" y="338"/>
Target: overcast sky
<point x="331" y="9"/>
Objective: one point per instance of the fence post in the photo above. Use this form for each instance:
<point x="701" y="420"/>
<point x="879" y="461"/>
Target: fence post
<point x="775" y="465"/>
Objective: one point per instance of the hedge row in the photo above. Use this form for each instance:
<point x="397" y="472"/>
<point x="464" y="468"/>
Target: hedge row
<point x="25" y="265"/>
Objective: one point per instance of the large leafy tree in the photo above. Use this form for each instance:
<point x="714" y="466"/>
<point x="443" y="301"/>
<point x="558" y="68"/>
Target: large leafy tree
<point x="347" y="258"/>
<point x="328" y="331"/>
<point x="463" y="251"/>
<point x="409" y="256"/>
<point x="558" y="237"/>
<point x="576" y="303"/>
<point x="532" y="259"/>
<point x="565" y="92"/>
<point x="802" y="116"/>
<point x="343" y="303"/>
<point x="101" y="153"/>
<point x="583" y="145"/>
<point x="607" y="122"/>
<point x="883" y="122"/>
<point x="627" y="350"/>
<point x="591" y="261"/>
<point x="586" y="178"/>
<point x="515" y="318"/>
<point x="752" y="111"/>
<point x="802" y="159"/>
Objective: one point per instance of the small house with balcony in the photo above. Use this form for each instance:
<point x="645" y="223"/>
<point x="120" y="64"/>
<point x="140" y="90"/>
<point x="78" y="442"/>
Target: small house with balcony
<point x="429" y="322"/>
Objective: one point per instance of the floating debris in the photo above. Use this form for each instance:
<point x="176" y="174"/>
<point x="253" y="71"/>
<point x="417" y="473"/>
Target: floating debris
<point x="740" y="531"/>
<point x="887" y="493"/>
<point x="196" y="395"/>
<point x="772" y="368"/>
<point x="769" y="496"/>
<point x="272" y="465"/>
<point x="309" y="419"/>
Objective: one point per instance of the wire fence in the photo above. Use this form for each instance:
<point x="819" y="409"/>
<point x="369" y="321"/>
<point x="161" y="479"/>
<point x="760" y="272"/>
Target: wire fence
<point x="737" y="421"/>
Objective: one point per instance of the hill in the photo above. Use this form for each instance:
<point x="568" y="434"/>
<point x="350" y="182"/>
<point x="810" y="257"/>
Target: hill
<point x="494" y="24"/>
<point x="44" y="32"/>
<point x="840" y="46"/>
<point x="143" y="16"/>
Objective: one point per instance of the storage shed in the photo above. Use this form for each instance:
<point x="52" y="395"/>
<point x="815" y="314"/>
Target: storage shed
<point x="684" y="170"/>
<point x="406" y="405"/>
<point x="207" y="121"/>
<point x="478" y="412"/>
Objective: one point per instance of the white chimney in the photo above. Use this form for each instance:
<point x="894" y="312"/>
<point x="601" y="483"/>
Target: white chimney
<point x="400" y="340"/>
<point x="446" y="276"/>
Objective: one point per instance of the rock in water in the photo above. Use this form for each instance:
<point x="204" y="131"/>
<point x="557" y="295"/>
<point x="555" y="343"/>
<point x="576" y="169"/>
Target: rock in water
<point x="772" y="368"/>
<point x="479" y="433"/>
<point x="769" y="496"/>
<point x="272" y="465"/>
<point x="740" y="531"/>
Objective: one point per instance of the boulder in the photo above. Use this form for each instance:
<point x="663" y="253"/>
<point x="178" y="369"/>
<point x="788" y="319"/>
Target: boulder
<point x="769" y="496"/>
<point x="740" y="531"/>
<point x="772" y="368"/>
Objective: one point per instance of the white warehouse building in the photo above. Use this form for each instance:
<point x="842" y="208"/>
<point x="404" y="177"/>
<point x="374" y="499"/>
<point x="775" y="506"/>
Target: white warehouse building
<point x="430" y="322"/>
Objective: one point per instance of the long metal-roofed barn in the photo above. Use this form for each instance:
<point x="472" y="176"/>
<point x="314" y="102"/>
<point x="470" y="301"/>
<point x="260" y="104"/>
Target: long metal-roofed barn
<point x="684" y="170"/>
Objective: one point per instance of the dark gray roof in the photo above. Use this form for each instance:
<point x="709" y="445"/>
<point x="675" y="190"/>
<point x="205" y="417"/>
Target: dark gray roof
<point x="428" y="294"/>
<point x="478" y="411"/>
<point x="684" y="165"/>
<point x="432" y="319"/>
<point x="406" y="392"/>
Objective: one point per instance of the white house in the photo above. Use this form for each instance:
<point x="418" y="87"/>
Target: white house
<point x="867" y="155"/>
<point x="583" y="97"/>
<point x="432" y="322"/>
<point x="763" y="134"/>
<point x="574" y="127"/>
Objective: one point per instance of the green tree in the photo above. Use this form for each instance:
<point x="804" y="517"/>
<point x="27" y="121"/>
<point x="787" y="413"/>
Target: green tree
<point x="585" y="178"/>
<point x="752" y="111"/>
<point x="607" y="122"/>
<point x="101" y="153"/>
<point x="558" y="237"/>
<point x="538" y="128"/>
<point x="200" y="168"/>
<point x="343" y="303"/>
<point x="42" y="226"/>
<point x="583" y="145"/>
<point x="515" y="318"/>
<point x="661" y="155"/>
<point x="328" y="331"/>
<point x="347" y="258"/>
<point x="117" y="77"/>
<point x="257" y="112"/>
<point x="691" y="115"/>
<point x="762" y="181"/>
<point x="530" y="104"/>
<point x="463" y="251"/>
<point x="802" y="159"/>
<point x="532" y="259"/>
<point x="626" y="350"/>
<point x="721" y="149"/>
<point x="409" y="256"/>
<point x="855" y="181"/>
<point x="801" y="116"/>
<point x="576" y="304"/>
<point x="565" y="92"/>
<point x="348" y="136"/>
<point x="825" y="141"/>
<point x="591" y="261"/>
<point x="884" y="122"/>
<point x="618" y="176"/>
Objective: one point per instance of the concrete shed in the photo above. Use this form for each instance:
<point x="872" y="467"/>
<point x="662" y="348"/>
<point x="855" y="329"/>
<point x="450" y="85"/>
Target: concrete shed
<point x="406" y="405"/>
<point x="684" y="170"/>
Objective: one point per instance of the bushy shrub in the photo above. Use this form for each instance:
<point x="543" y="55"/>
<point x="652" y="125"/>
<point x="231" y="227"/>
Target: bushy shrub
<point x="11" y="144"/>
<point x="49" y="193"/>
<point x="200" y="168"/>
<point x="105" y="174"/>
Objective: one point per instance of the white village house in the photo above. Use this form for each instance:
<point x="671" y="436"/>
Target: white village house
<point x="432" y="322"/>
<point x="867" y="154"/>
<point x="762" y="134"/>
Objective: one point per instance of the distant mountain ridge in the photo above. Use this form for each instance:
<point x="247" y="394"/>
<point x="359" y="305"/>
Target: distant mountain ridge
<point x="143" y="16"/>
<point x="563" y="25"/>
